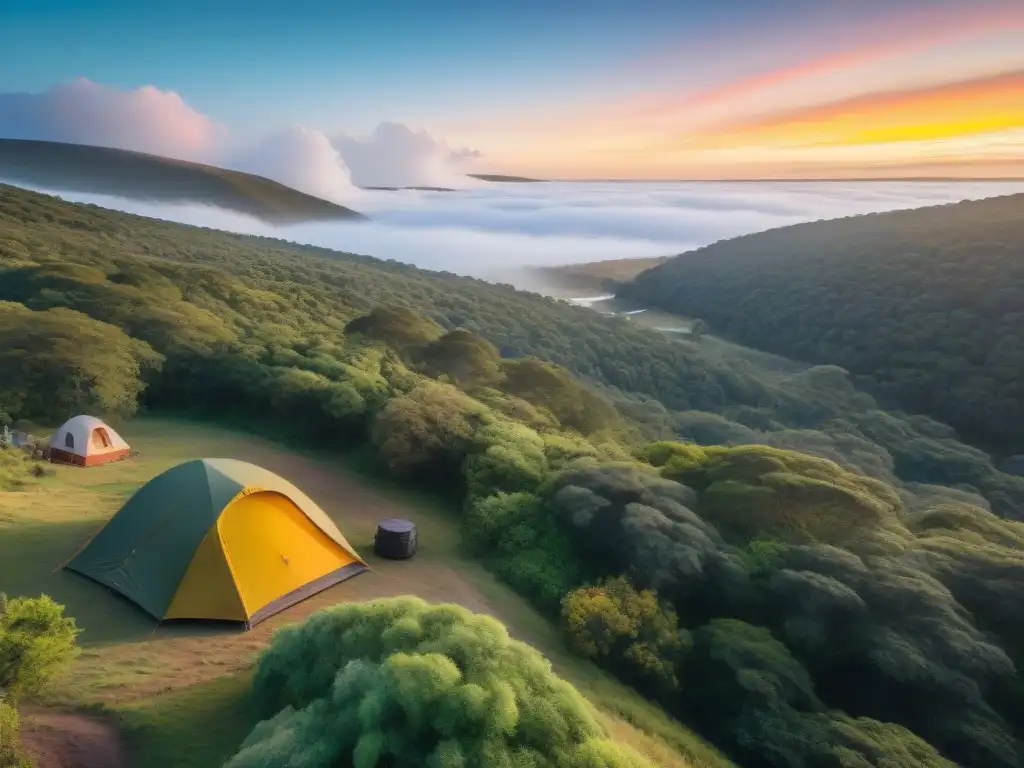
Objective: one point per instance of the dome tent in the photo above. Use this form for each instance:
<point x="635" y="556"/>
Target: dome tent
<point x="87" y="441"/>
<point x="218" y="539"/>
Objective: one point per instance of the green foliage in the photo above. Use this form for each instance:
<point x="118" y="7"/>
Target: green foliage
<point x="754" y="491"/>
<point x="865" y="743"/>
<point x="398" y="327"/>
<point x="511" y="458"/>
<point x="226" y="310"/>
<point x="921" y="306"/>
<point x="429" y="429"/>
<point x="10" y="744"/>
<point x="401" y="682"/>
<point x="15" y="469"/>
<point x="516" y="537"/>
<point x="626" y="519"/>
<point x="627" y="630"/>
<point x="59" y="362"/>
<point x="553" y="388"/>
<point x="462" y="357"/>
<point x="746" y="687"/>
<point x="36" y="642"/>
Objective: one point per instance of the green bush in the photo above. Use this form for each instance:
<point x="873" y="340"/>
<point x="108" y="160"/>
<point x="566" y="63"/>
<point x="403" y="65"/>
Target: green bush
<point x="628" y="631"/>
<point x="398" y="327"/>
<point x="400" y="682"/>
<point x="517" y="538"/>
<point x="36" y="642"/>
<point x="428" y="430"/>
<point x="10" y="743"/>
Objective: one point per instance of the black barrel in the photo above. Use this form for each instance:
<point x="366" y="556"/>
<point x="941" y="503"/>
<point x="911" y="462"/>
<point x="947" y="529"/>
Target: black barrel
<point x="396" y="539"/>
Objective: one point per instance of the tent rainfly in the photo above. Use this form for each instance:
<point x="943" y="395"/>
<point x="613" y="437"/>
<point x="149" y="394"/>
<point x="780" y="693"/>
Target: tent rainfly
<point x="218" y="539"/>
<point x="87" y="441"/>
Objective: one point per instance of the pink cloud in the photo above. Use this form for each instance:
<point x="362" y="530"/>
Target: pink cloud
<point x="160" y="122"/>
<point x="83" y="112"/>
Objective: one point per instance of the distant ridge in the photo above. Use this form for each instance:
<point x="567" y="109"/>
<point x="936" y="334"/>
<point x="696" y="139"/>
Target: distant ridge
<point x="414" y="189"/>
<point x="104" y="171"/>
<point x="594" y="275"/>
<point x="808" y="180"/>
<point x="502" y="178"/>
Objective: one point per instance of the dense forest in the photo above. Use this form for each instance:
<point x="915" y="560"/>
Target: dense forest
<point x="925" y="308"/>
<point x="807" y="578"/>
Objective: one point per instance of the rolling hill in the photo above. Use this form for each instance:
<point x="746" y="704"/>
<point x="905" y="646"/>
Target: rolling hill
<point x="924" y="307"/>
<point x="104" y="171"/>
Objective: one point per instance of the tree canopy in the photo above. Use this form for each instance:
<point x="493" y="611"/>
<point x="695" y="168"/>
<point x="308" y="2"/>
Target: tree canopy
<point x="923" y="307"/>
<point x="401" y="682"/>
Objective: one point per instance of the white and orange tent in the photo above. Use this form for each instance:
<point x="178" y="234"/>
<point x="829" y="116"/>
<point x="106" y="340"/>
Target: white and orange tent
<point x="87" y="441"/>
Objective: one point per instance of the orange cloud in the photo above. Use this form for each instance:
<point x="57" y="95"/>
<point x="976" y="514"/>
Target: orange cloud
<point x="946" y="111"/>
<point x="908" y="34"/>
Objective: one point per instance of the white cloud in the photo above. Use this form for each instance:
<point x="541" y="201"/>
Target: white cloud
<point x="83" y="112"/>
<point x="301" y="158"/>
<point x="397" y="156"/>
<point x="492" y="232"/>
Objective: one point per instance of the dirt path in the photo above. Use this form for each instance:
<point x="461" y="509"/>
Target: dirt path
<point x="65" y="740"/>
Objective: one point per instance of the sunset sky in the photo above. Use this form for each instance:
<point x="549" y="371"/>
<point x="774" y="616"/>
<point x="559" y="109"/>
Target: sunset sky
<point x="649" y="89"/>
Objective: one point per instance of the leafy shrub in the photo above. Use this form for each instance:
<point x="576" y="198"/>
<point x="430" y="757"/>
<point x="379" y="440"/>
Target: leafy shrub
<point x="36" y="642"/>
<point x="59" y="362"/>
<point x="627" y="630"/>
<point x="10" y="743"/>
<point x="509" y="457"/>
<point x="428" y="429"/>
<point x="517" y="538"/>
<point x="401" y="682"/>
<point x="462" y="357"/>
<point x="745" y="687"/>
<point x="754" y="490"/>
<point x="554" y="388"/>
<point x="398" y="327"/>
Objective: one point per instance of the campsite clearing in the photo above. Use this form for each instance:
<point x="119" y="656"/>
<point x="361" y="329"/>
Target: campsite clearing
<point x="165" y="683"/>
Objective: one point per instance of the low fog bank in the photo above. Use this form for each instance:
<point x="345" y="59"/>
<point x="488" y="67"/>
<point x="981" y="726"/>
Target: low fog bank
<point x="499" y="231"/>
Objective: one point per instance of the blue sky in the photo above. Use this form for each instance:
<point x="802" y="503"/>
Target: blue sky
<point x="580" y="87"/>
<point x="355" y="63"/>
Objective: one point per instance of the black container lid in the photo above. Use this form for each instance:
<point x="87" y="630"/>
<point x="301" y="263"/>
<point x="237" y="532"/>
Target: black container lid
<point x="396" y="525"/>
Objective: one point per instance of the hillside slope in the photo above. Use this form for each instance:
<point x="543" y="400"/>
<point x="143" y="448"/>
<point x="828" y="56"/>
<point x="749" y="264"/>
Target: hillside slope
<point x="592" y="275"/>
<point x="800" y="537"/>
<point x="925" y="307"/>
<point x="104" y="171"/>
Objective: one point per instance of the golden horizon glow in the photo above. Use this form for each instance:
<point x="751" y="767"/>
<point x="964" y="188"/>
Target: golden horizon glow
<point x="949" y="97"/>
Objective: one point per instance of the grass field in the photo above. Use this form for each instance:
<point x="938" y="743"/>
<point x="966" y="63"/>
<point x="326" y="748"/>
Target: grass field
<point x="167" y="684"/>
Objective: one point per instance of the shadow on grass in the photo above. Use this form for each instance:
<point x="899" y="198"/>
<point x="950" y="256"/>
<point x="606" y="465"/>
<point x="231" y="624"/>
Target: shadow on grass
<point x="197" y="727"/>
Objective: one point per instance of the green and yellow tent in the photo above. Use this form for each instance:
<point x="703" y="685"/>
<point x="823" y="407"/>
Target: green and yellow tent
<point x="218" y="539"/>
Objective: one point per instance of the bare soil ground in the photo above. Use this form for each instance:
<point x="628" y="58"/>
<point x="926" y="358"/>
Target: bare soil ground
<point x="65" y="740"/>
